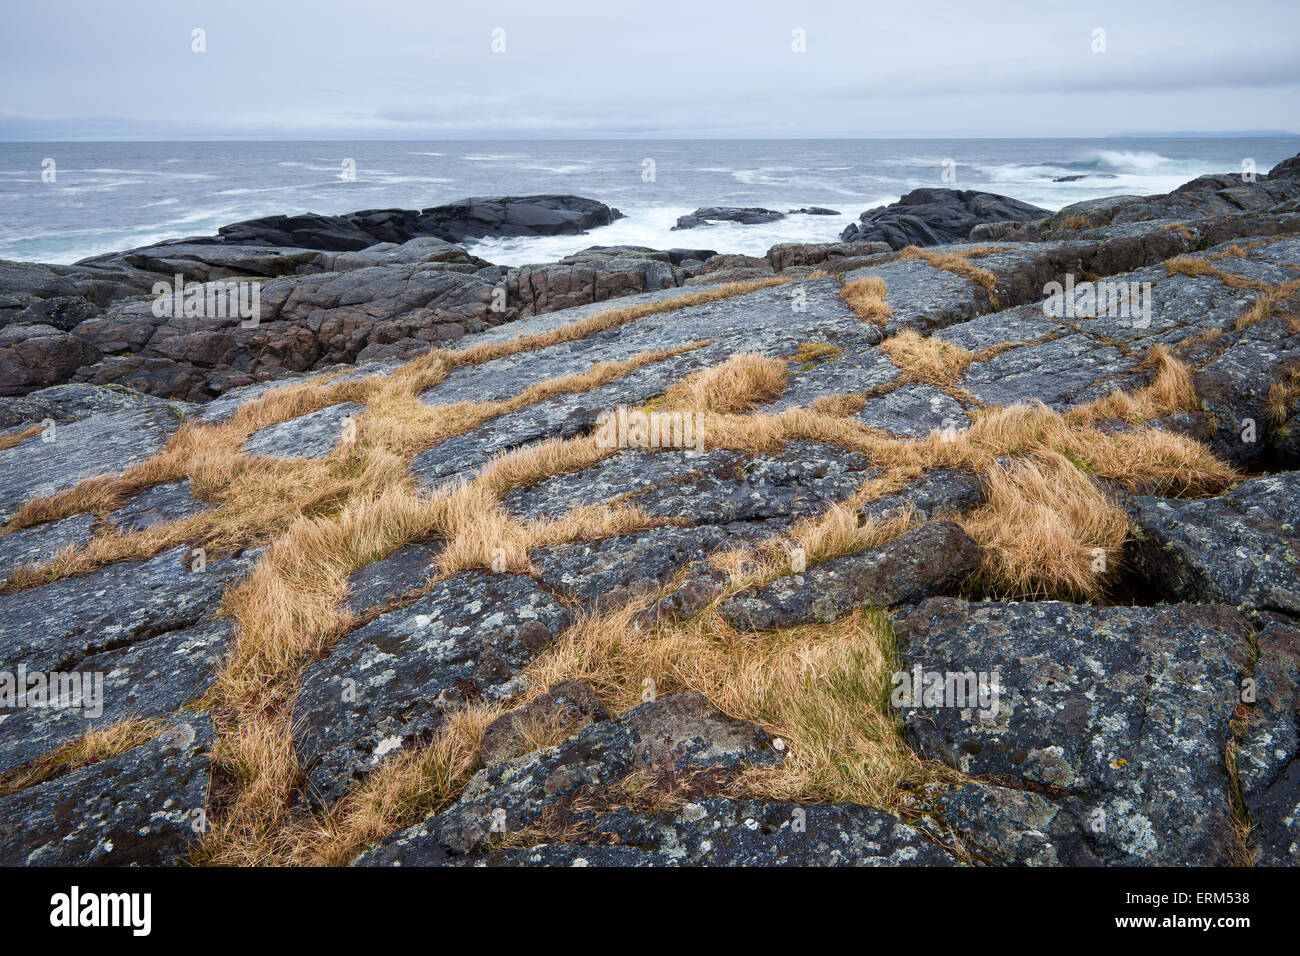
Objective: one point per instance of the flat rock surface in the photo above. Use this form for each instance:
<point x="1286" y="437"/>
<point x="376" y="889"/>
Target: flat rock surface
<point x="143" y="807"/>
<point x="313" y="435"/>
<point x="1119" y="715"/>
<point x="388" y="682"/>
<point x="103" y="444"/>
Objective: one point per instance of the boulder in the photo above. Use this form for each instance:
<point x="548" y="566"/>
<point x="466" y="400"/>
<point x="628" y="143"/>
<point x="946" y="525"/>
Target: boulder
<point x="931" y="217"/>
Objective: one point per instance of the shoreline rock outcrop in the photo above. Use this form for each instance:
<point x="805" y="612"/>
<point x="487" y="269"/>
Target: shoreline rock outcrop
<point x="795" y="616"/>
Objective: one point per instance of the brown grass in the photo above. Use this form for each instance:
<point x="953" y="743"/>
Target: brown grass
<point x="866" y="297"/>
<point x="928" y="360"/>
<point x="1264" y="305"/>
<point x="13" y="438"/>
<point x="1077" y="222"/>
<point x="1046" y="530"/>
<point x="1188" y="266"/>
<point x="739" y="384"/>
<point x="92" y="748"/>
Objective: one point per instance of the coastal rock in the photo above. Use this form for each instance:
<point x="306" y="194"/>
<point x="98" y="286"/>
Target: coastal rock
<point x="1241" y="549"/>
<point x="931" y="217"/>
<point x="386" y="685"/>
<point x="744" y="215"/>
<point x="144" y="807"/>
<point x="678" y="734"/>
<point x="931" y="559"/>
<point x="1117" y="715"/>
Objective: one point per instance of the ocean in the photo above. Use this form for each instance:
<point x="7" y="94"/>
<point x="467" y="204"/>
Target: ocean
<point x="110" y="196"/>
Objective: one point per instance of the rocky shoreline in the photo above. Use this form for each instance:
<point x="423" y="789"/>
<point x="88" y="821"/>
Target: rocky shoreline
<point x="366" y="582"/>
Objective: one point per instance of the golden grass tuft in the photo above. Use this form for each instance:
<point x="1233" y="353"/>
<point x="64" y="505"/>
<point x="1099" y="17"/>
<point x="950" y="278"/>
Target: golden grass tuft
<point x="1046" y="530"/>
<point x="1077" y="222"/>
<point x="92" y="748"/>
<point x="739" y="384"/>
<point x="866" y="297"/>
<point x="929" y="360"/>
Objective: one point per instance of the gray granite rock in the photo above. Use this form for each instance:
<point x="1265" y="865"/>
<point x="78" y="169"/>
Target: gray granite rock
<point x="146" y="806"/>
<point x="609" y="573"/>
<point x="313" y="435"/>
<point x="152" y="678"/>
<point x="387" y="684"/>
<point x="1242" y="548"/>
<point x="1118" y="715"/>
<point x="39" y="543"/>
<point x="161" y="504"/>
<point x="406" y="569"/>
<point x="675" y="734"/>
<point x="932" y="559"/>
<point x="66" y="454"/>
<point x="58" y="625"/>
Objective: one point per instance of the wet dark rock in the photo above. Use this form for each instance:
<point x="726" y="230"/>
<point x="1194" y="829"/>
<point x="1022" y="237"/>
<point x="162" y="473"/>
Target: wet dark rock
<point x="144" y="680"/>
<point x="931" y="217"/>
<point x="144" y="807"/>
<point x="406" y="569"/>
<point x="542" y="215"/>
<point x="1118" y="715"/>
<point x="36" y="356"/>
<point x="564" y="705"/>
<point x="932" y="559"/>
<point x="673" y="735"/>
<point x="387" y="684"/>
<point x="744" y="215"/>
<point x="1242" y="548"/>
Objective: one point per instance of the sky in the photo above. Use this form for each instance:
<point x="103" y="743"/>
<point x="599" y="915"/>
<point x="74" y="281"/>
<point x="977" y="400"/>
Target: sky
<point x="475" y="69"/>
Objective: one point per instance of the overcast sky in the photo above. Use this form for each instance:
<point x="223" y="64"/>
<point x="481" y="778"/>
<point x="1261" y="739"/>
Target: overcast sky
<point x="420" y="69"/>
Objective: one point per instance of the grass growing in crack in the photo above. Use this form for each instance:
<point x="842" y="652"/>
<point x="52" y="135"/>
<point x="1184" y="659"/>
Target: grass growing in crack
<point x="929" y="361"/>
<point x="738" y="385"/>
<point x="958" y="264"/>
<point x="866" y="297"/>
<point x="94" y="747"/>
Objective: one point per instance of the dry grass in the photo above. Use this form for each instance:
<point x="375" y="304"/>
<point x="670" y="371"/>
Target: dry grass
<point x="822" y="689"/>
<point x="1077" y="222"/>
<point x="13" y="438"/>
<point x="739" y="384"/>
<point x="1046" y="530"/>
<point x="957" y="263"/>
<point x="1264" y="305"/>
<point x="1283" y="396"/>
<point x="866" y="297"/>
<point x="928" y="360"/>
<point x="1188" y="266"/>
<point x="92" y="748"/>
